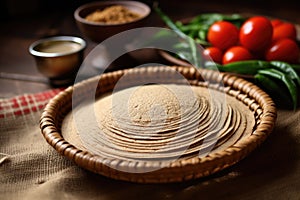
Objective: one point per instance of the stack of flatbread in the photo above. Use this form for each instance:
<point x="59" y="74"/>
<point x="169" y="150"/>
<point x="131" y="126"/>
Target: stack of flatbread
<point x="159" y="122"/>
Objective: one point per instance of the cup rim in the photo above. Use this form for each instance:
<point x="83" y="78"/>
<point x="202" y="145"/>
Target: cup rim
<point x="78" y="40"/>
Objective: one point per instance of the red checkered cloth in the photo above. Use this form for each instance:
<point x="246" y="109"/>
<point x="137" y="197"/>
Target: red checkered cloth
<point x="25" y="104"/>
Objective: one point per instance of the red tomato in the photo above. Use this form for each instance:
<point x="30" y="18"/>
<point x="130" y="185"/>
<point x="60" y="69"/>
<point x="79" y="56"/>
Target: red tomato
<point x="223" y="35"/>
<point x="236" y="53"/>
<point x="213" y="53"/>
<point x="276" y="22"/>
<point x="285" y="30"/>
<point x="256" y="33"/>
<point x="284" y="50"/>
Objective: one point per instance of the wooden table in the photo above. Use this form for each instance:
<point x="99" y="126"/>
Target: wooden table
<point x="18" y="75"/>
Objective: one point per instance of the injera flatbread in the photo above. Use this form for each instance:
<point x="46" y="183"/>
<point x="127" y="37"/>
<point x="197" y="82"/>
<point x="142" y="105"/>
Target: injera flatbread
<point x="159" y="122"/>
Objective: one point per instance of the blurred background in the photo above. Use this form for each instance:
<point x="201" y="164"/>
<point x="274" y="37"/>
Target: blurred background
<point x="21" y="8"/>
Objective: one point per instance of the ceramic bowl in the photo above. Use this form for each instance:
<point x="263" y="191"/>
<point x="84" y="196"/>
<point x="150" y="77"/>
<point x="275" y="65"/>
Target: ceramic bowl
<point x="99" y="31"/>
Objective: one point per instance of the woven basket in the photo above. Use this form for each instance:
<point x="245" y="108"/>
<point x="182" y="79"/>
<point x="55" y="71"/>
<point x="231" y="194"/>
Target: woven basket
<point x="257" y="101"/>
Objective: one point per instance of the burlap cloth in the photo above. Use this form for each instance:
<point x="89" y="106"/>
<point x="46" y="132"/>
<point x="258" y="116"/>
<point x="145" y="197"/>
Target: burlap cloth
<point x="32" y="169"/>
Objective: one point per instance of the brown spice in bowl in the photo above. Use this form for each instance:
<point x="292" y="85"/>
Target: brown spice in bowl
<point x="116" y="14"/>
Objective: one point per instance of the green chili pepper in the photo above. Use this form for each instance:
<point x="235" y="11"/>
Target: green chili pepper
<point x="161" y="34"/>
<point x="291" y="86"/>
<point x="181" y="46"/>
<point x="202" y="42"/>
<point x="193" y="34"/>
<point x="195" y="57"/>
<point x="191" y="27"/>
<point x="202" y="34"/>
<point x="296" y="67"/>
<point x="272" y="88"/>
<point x="234" y="17"/>
<point x="184" y="55"/>
<point x="181" y="34"/>
<point x="169" y="22"/>
<point x="212" y="65"/>
<point x="247" y="67"/>
<point x="287" y="69"/>
<point x="210" y="18"/>
<point x="179" y="24"/>
<point x="207" y="18"/>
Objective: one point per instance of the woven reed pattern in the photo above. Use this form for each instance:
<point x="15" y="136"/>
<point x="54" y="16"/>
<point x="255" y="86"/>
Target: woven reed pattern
<point x="118" y="164"/>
